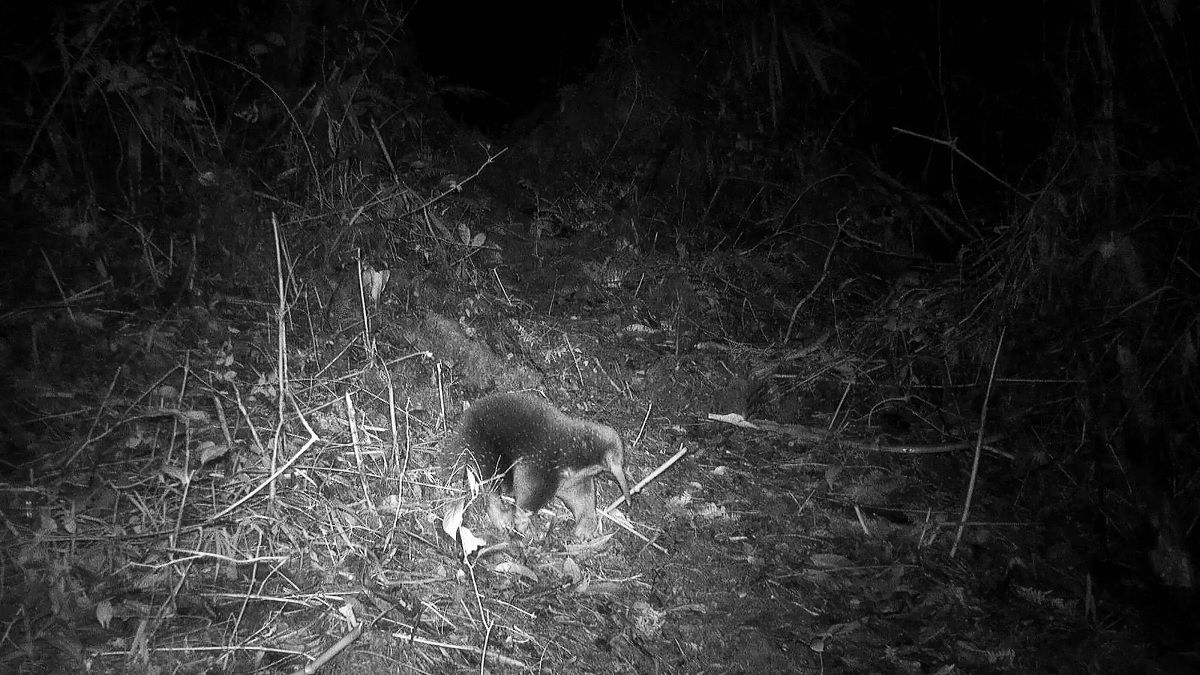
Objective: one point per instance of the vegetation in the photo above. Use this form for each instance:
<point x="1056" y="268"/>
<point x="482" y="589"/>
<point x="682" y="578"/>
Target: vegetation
<point x="903" y="300"/>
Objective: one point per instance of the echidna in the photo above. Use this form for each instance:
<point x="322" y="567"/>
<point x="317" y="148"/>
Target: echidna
<point x="540" y="452"/>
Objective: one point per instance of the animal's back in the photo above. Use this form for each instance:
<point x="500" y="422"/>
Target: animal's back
<point x="501" y="429"/>
<point x="540" y="453"/>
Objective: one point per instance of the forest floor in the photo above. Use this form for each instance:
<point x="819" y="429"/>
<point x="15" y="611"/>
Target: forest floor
<point x="183" y="508"/>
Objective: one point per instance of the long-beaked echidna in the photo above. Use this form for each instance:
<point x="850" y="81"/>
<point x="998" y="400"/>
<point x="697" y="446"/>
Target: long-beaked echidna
<point x="540" y="453"/>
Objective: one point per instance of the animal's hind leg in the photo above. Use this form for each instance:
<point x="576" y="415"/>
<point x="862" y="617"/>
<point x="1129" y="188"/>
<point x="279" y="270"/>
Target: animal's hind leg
<point x="580" y="497"/>
<point x="505" y="517"/>
<point x="499" y="513"/>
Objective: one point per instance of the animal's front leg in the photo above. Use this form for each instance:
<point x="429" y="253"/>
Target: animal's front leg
<point x="580" y="497"/>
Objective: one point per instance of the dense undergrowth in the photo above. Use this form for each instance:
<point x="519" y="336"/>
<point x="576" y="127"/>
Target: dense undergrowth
<point x="923" y="430"/>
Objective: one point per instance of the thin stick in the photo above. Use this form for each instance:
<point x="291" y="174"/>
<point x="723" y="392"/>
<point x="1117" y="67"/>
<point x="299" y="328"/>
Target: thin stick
<point x="862" y="521"/>
<point x="500" y="658"/>
<point x="966" y="512"/>
<point x="387" y="156"/>
<point x="393" y="462"/>
<point x="483" y="616"/>
<point x="638" y="488"/>
<point x="368" y="343"/>
<point x="642" y="428"/>
<point x="258" y="444"/>
<point x="441" y="384"/>
<point x="332" y="651"/>
<point x="574" y="358"/>
<point x="653" y="474"/>
<point x="229" y="446"/>
<point x="810" y="435"/>
<point x="185" y="475"/>
<point x="58" y="284"/>
<point x="88" y="440"/>
<point x="280" y="347"/>
<point x="270" y="480"/>
<point x="407" y="441"/>
<point x="503" y="290"/>
<point x="356" y="440"/>
<point x="952" y="145"/>
<point x="787" y="335"/>
<point x="624" y="525"/>
<point x="454" y="187"/>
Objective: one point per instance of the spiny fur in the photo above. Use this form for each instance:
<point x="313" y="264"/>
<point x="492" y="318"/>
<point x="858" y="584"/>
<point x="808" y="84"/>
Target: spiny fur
<point x="539" y="452"/>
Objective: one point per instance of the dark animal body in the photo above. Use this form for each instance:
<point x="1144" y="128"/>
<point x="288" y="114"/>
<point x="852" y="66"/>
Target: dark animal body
<point x="539" y="453"/>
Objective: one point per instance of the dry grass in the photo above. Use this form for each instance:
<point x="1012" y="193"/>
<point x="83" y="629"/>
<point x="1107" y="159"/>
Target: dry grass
<point x="211" y="512"/>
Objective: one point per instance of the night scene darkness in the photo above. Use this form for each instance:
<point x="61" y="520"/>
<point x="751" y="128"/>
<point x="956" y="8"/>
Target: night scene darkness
<point x="712" y="336"/>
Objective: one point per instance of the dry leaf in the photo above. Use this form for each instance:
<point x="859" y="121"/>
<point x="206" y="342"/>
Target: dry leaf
<point x="510" y="567"/>
<point x="452" y="517"/>
<point x="104" y="613"/>
<point x="210" y="451"/>
<point x="570" y="569"/>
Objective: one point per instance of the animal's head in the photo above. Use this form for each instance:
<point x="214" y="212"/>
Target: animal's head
<point x="614" y="457"/>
